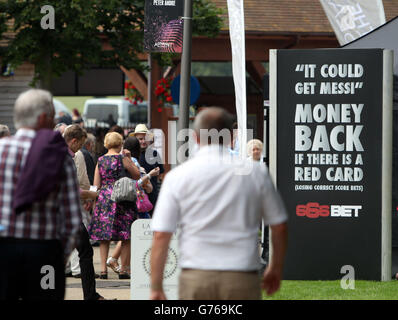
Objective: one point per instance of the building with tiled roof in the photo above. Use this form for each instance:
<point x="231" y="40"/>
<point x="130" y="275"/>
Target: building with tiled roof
<point x="291" y="16"/>
<point x="269" y="24"/>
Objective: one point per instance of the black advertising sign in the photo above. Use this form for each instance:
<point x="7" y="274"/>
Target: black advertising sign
<point x="163" y="31"/>
<point x="332" y="157"/>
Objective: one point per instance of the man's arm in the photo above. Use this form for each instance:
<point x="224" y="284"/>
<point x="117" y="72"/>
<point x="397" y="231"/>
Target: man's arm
<point x="88" y="195"/>
<point x="273" y="273"/>
<point x="159" y="253"/>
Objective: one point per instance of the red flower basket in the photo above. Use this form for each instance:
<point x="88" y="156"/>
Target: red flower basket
<point x="132" y="94"/>
<point x="163" y="92"/>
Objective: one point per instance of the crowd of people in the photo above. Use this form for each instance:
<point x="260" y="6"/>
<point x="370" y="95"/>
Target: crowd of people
<point x="57" y="200"/>
<point x="85" y="215"/>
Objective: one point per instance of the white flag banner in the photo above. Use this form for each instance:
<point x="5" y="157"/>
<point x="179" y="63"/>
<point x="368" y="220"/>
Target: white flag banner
<point x="352" y="19"/>
<point x="237" y="37"/>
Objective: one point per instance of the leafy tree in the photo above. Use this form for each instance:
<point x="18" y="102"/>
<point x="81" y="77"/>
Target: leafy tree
<point x="82" y="28"/>
<point x="206" y="19"/>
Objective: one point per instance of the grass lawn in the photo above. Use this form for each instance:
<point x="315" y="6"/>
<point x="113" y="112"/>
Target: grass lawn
<point x="76" y="102"/>
<point x="331" y="290"/>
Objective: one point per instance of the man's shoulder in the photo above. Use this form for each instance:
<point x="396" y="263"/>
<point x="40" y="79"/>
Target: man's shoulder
<point x="84" y="151"/>
<point x="10" y="140"/>
<point x="87" y="156"/>
<point x="69" y="162"/>
<point x="79" y="157"/>
<point x="5" y="142"/>
<point x="18" y="144"/>
<point x="151" y="152"/>
<point x="151" y="159"/>
<point x="184" y="169"/>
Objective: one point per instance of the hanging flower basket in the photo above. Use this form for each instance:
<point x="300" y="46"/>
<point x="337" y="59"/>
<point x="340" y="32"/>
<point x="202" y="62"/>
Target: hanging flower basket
<point x="163" y="92"/>
<point x="131" y="93"/>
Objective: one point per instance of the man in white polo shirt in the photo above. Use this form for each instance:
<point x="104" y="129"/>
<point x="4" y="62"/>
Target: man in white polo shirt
<point x="218" y="205"/>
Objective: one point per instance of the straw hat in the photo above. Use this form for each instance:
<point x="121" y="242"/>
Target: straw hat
<point x="140" y="128"/>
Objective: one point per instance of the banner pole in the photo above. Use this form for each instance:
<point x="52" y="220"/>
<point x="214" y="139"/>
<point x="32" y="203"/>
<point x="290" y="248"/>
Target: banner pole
<point x="149" y="101"/>
<point x="185" y="84"/>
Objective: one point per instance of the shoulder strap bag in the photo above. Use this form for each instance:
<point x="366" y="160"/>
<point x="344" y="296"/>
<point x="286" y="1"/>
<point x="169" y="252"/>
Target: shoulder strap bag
<point x="124" y="188"/>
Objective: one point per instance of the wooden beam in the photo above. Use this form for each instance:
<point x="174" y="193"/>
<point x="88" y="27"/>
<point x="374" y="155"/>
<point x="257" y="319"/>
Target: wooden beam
<point x="257" y="47"/>
<point x="156" y="74"/>
<point x="138" y="79"/>
<point x="173" y="71"/>
<point x="256" y="71"/>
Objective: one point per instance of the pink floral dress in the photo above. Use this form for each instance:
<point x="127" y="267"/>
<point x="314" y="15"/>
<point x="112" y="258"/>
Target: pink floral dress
<point x="110" y="221"/>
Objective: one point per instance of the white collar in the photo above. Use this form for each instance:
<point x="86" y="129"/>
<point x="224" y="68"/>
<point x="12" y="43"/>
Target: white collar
<point x="211" y="149"/>
<point x="25" y="132"/>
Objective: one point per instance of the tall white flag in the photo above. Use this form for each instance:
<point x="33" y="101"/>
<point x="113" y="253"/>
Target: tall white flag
<point x="352" y="19"/>
<point x="237" y="37"/>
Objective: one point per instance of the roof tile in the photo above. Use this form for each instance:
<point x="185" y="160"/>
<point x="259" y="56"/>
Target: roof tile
<point x="298" y="16"/>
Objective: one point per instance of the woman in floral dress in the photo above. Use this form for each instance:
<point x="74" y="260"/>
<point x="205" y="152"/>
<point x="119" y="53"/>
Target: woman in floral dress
<point x="111" y="221"/>
<point x="133" y="145"/>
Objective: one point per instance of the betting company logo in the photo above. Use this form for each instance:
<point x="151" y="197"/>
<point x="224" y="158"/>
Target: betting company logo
<point x="315" y="210"/>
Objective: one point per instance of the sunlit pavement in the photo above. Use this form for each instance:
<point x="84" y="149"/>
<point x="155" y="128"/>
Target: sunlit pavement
<point x="112" y="288"/>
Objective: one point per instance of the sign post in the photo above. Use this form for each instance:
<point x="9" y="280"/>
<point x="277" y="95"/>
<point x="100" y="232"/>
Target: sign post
<point x="140" y="281"/>
<point x="331" y="159"/>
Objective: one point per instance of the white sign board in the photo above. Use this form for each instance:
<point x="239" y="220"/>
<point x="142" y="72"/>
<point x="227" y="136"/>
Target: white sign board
<point x="141" y="244"/>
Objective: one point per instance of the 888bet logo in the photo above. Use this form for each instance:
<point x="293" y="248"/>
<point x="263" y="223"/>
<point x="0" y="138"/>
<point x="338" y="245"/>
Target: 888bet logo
<point x="314" y="210"/>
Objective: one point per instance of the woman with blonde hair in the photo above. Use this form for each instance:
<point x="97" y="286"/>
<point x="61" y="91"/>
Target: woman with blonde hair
<point x="144" y="185"/>
<point x="111" y="221"/>
<point x="254" y="149"/>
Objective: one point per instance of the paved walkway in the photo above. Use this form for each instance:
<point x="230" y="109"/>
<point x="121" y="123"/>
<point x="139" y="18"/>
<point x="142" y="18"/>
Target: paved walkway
<point x="110" y="289"/>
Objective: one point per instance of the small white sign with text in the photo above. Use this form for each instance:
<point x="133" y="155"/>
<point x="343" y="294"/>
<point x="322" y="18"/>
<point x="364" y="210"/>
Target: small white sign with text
<point x="141" y="244"/>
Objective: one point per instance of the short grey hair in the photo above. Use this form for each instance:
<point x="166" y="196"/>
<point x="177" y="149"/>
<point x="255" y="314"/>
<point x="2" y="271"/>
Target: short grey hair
<point x="60" y="127"/>
<point x="30" y="105"/>
<point x="90" y="139"/>
<point x="4" y="131"/>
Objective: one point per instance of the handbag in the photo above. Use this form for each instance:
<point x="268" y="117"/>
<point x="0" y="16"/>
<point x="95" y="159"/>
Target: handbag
<point x="143" y="203"/>
<point x="124" y="188"/>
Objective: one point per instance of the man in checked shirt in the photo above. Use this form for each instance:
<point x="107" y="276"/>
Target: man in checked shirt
<point x="35" y="241"/>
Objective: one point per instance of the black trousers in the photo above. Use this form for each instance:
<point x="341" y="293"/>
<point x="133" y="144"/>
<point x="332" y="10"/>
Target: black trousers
<point x="87" y="271"/>
<point x="31" y="269"/>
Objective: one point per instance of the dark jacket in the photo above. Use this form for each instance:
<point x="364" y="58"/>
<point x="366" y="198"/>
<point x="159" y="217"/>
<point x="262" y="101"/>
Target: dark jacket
<point x="90" y="164"/>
